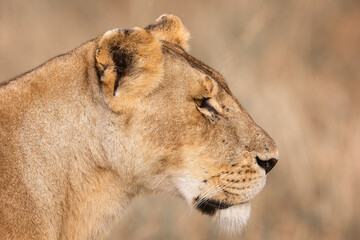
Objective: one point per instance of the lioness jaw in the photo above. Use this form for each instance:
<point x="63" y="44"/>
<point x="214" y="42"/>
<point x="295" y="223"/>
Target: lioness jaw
<point x="128" y="113"/>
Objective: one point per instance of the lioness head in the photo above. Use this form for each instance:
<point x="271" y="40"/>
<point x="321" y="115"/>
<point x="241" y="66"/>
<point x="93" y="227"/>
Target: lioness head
<point x="185" y="132"/>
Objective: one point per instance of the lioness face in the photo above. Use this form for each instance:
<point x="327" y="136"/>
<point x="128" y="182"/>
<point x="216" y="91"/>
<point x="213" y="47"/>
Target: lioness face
<point x="189" y="134"/>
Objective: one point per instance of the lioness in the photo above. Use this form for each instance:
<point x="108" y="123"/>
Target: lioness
<point x="127" y="113"/>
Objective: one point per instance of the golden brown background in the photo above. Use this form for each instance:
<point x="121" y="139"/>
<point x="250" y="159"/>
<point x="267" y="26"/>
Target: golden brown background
<point x="294" y="65"/>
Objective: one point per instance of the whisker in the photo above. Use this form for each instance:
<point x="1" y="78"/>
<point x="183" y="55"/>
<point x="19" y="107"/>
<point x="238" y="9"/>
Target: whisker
<point x="201" y="197"/>
<point x="213" y="190"/>
<point x="209" y="192"/>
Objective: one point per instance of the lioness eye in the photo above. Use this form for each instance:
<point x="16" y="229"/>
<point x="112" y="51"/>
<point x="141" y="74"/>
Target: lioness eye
<point x="204" y="104"/>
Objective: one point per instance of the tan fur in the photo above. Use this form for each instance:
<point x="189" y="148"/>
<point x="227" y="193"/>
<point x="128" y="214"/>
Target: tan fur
<point x="121" y="115"/>
<point x="171" y="29"/>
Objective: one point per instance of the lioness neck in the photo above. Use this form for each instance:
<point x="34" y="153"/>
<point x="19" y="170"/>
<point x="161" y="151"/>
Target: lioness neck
<point x="73" y="192"/>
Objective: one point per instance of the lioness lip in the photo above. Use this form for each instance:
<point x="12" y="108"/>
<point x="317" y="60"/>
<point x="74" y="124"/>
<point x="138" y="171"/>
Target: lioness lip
<point x="210" y="206"/>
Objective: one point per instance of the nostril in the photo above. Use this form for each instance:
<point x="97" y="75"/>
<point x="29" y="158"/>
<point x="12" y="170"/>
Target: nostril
<point x="266" y="164"/>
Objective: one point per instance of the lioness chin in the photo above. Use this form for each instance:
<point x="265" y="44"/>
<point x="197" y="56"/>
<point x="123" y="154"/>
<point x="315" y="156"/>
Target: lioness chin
<point x="127" y="113"/>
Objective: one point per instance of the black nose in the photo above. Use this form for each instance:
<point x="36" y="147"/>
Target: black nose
<point x="267" y="164"/>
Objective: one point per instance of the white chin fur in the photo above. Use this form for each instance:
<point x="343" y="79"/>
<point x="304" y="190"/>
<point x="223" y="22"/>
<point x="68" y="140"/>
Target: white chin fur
<point x="234" y="219"/>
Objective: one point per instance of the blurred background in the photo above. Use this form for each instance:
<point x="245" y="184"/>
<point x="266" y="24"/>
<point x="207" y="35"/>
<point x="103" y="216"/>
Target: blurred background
<point x="293" y="64"/>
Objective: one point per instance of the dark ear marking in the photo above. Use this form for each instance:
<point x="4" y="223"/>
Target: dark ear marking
<point x="122" y="61"/>
<point x="99" y="73"/>
<point x="129" y="64"/>
<point x="127" y="31"/>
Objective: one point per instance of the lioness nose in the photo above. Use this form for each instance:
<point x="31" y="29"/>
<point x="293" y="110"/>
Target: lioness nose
<point x="266" y="164"/>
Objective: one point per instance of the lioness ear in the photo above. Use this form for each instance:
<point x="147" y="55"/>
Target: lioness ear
<point x="129" y="65"/>
<point x="171" y="29"/>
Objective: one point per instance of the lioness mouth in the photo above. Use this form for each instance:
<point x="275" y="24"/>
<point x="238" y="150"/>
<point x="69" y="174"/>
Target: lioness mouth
<point x="209" y="206"/>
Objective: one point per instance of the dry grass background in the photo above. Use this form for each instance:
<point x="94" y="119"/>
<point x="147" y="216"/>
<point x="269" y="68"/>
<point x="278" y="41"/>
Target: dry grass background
<point x="295" y="66"/>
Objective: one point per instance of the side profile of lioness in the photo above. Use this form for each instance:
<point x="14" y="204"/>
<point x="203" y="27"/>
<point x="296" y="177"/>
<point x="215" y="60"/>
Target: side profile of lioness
<point x="127" y="113"/>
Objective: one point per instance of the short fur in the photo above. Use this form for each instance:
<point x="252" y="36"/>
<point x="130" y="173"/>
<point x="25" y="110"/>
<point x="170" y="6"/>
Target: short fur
<point x="127" y="113"/>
